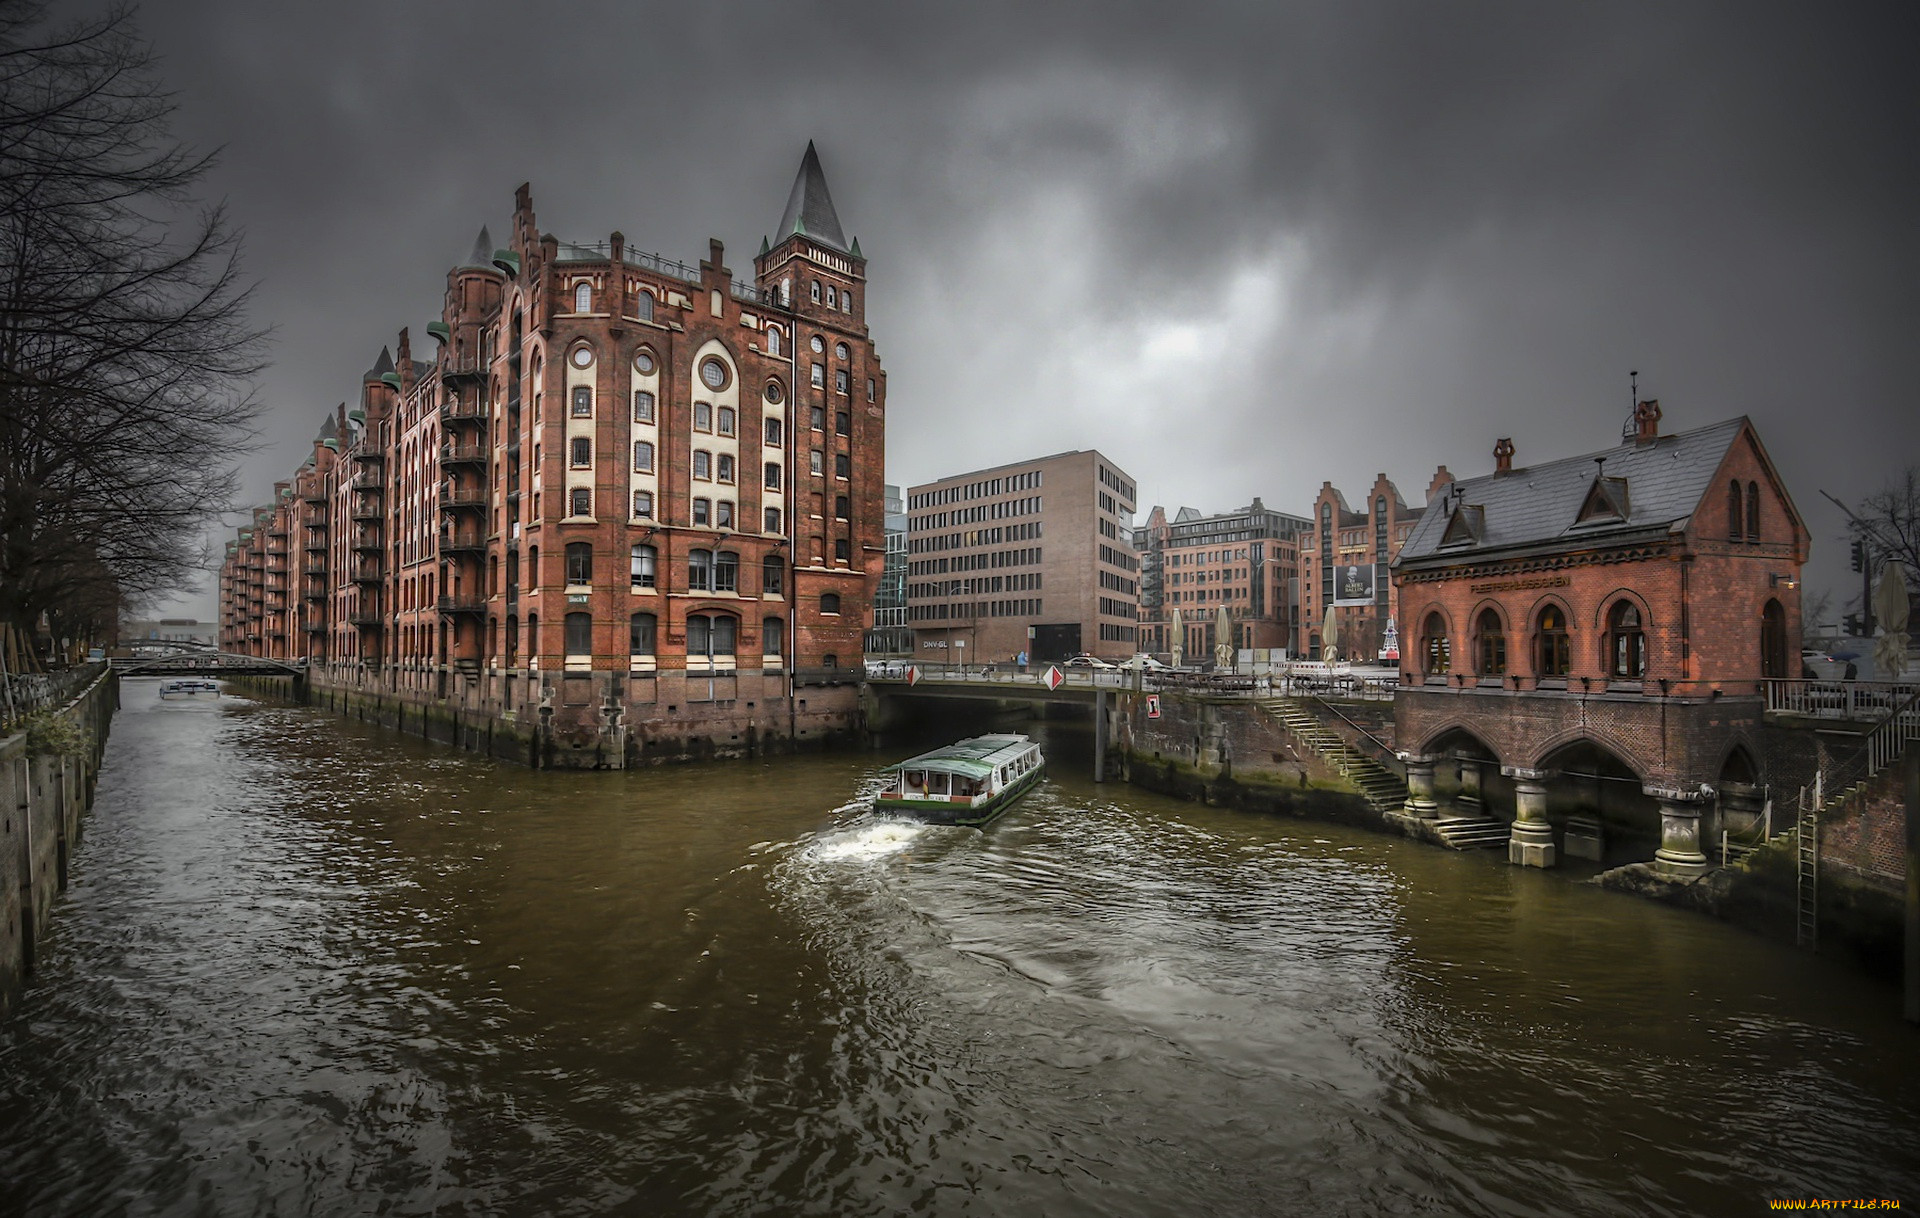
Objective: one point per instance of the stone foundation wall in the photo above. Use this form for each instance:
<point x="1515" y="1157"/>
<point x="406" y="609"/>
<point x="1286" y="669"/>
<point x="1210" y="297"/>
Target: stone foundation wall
<point x="42" y="799"/>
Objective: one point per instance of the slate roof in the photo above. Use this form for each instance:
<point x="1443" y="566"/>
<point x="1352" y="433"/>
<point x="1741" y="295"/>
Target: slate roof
<point x="1538" y="506"/>
<point x="482" y="252"/>
<point x="810" y="207"/>
<point x="381" y="366"/>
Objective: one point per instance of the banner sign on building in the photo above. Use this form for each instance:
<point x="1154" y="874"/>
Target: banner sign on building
<point x="1353" y="584"/>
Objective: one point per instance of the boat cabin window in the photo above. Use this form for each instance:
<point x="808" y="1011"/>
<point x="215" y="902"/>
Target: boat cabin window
<point x="916" y="781"/>
<point x="939" y="784"/>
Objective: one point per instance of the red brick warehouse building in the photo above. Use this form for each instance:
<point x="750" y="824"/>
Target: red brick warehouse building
<point x="1589" y="639"/>
<point x="632" y="508"/>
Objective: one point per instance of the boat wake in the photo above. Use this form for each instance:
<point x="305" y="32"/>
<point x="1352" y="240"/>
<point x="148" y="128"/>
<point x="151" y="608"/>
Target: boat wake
<point x="865" y="840"/>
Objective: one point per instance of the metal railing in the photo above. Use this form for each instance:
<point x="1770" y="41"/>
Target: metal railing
<point x="1838" y="699"/>
<point x="23" y="694"/>
<point x="651" y="262"/>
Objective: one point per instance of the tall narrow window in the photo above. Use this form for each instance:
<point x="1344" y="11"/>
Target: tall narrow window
<point x="1553" y="650"/>
<point x="580" y="452"/>
<point x="1773" y="640"/>
<point x="580" y="562"/>
<point x="771" y="432"/>
<point x="843" y="423"/>
<point x="842" y="465"/>
<point x="773" y="341"/>
<point x="772" y="575"/>
<point x="700" y="570"/>
<point x="579" y="628"/>
<point x="770" y="520"/>
<point x="772" y="472"/>
<point x="643" y="305"/>
<point x="642" y="633"/>
<point x="583" y="298"/>
<point x="842" y="507"/>
<point x="723" y="513"/>
<point x="772" y="633"/>
<point x="642" y="406"/>
<point x="726" y="420"/>
<point x="582" y="402"/>
<point x="643" y="505"/>
<point x="643" y="564"/>
<point x="703" y="511"/>
<point x="1735" y="528"/>
<point x="702" y="463"/>
<point x="582" y="504"/>
<point x="1493" y="644"/>
<point x="819" y="465"/>
<point x="724" y="467"/>
<point x="1626" y="642"/>
<point x="1753" y="511"/>
<point x="642" y="457"/>
<point x="703" y="416"/>
<point x="1437" y="647"/>
<point x="726" y="571"/>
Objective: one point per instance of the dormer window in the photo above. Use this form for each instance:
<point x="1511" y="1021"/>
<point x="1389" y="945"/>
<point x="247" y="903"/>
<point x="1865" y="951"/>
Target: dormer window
<point x="1606" y="502"/>
<point x="1467" y="526"/>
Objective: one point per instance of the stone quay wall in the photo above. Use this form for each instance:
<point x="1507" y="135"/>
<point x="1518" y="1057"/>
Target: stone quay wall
<point x="592" y="720"/>
<point x="47" y="774"/>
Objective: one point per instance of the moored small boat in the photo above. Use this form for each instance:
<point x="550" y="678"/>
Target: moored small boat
<point x="189" y="688"/>
<point x="968" y="782"/>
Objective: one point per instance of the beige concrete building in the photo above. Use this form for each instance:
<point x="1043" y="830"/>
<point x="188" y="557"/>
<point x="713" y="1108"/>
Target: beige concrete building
<point x="1035" y="556"/>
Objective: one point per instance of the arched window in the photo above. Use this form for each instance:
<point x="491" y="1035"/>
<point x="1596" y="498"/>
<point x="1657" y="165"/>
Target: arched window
<point x="813" y="286"/>
<point x="642" y="457"/>
<point x="772" y="479"/>
<point x="726" y="571"/>
<point x="1753" y="511"/>
<point x="533" y="638"/>
<point x="1626" y="642"/>
<point x="1552" y="651"/>
<point x="702" y="463"/>
<point x="642" y="406"/>
<point x="579" y="635"/>
<point x="770" y="520"/>
<point x="1773" y="640"/>
<point x="582" y="504"/>
<point x="1435" y="644"/>
<point x="725" y="420"/>
<point x="513" y="639"/>
<point x="643" y="562"/>
<point x="580" y="562"/>
<point x="1735" y="528"/>
<point x="700" y="570"/>
<point x="723" y="468"/>
<point x="642" y="630"/>
<point x="582" y="402"/>
<point x="773" y="341"/>
<point x="829" y="602"/>
<point x="772" y="575"/>
<point x="1493" y="644"/>
<point x="643" y="305"/>
<point x="773" y="632"/>
<point x="533" y="571"/>
<point x="583" y="298"/>
<point x="711" y="634"/>
<point x="723" y="513"/>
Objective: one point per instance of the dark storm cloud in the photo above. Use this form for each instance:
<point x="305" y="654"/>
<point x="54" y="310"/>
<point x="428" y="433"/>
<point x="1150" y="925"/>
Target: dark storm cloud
<point x="1241" y="249"/>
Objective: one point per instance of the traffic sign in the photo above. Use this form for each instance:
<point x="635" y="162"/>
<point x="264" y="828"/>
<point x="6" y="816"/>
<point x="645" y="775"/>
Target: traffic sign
<point x="1153" y="706"/>
<point x="1052" y="677"/>
<point x="913" y="674"/>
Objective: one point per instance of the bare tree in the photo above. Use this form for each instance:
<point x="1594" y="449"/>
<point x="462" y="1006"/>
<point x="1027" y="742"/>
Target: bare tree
<point x="124" y="346"/>
<point x="1886" y="523"/>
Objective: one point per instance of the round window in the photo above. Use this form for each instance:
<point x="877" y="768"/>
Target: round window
<point x="818" y="345"/>
<point x="583" y="357"/>
<point x="714" y="373"/>
<point x="840" y="351"/>
<point x="773" y="392"/>
<point x="643" y="361"/>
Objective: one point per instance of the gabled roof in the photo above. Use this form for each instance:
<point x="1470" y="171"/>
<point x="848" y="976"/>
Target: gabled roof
<point x="810" y="208"/>
<point x="1639" y="488"/>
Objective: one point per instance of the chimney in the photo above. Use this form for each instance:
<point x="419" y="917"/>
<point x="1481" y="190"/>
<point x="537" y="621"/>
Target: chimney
<point x="1503" y="456"/>
<point x="1646" y="421"/>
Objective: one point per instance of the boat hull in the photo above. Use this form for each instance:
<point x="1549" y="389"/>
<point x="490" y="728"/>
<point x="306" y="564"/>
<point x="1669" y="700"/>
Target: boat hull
<point x="973" y="816"/>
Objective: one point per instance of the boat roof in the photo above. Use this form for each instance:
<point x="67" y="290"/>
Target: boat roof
<point x="974" y="758"/>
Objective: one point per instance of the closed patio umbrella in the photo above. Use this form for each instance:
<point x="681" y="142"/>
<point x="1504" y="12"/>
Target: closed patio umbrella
<point x="1330" y="637"/>
<point x="1179" y="639"/>
<point x="1222" y="640"/>
<point x="1890" y="606"/>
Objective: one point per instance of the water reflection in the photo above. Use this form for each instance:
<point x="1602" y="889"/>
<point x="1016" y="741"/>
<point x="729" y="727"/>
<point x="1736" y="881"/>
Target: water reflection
<point x="305" y="964"/>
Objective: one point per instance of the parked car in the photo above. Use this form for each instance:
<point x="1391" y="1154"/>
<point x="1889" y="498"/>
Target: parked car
<point x="1142" y="662"/>
<point x="1083" y="660"/>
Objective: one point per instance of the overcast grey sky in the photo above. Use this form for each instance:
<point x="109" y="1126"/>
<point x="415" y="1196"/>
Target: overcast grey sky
<point x="1241" y="249"/>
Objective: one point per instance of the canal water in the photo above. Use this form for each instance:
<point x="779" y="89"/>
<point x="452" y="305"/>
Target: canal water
<point x="308" y="967"/>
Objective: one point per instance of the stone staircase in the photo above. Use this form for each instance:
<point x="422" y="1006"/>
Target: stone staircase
<point x="1473" y="832"/>
<point x="1382" y="789"/>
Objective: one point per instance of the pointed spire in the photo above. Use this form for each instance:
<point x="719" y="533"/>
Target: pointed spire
<point x="765" y="247"/>
<point x="810" y="208"/>
<point x="382" y="366"/>
<point x="856" y="250"/>
<point x="482" y="254"/>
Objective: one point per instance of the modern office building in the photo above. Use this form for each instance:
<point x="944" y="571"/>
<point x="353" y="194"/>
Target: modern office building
<point x="891" y="637"/>
<point x="1245" y="561"/>
<point x="631" y="507"/>
<point x="1034" y="556"/>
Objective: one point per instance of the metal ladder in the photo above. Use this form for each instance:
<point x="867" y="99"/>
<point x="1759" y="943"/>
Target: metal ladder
<point x="1807" y="843"/>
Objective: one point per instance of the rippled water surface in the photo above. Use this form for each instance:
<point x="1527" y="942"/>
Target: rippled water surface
<point x="305" y="967"/>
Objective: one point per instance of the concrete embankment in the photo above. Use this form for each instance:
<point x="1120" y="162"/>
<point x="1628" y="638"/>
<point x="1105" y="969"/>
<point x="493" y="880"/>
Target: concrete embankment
<point x="48" y="764"/>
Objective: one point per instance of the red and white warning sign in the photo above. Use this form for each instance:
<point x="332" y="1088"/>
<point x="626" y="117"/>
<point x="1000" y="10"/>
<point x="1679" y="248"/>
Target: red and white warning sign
<point x="1153" y="706"/>
<point x="913" y="674"/>
<point x="1052" y="677"/>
